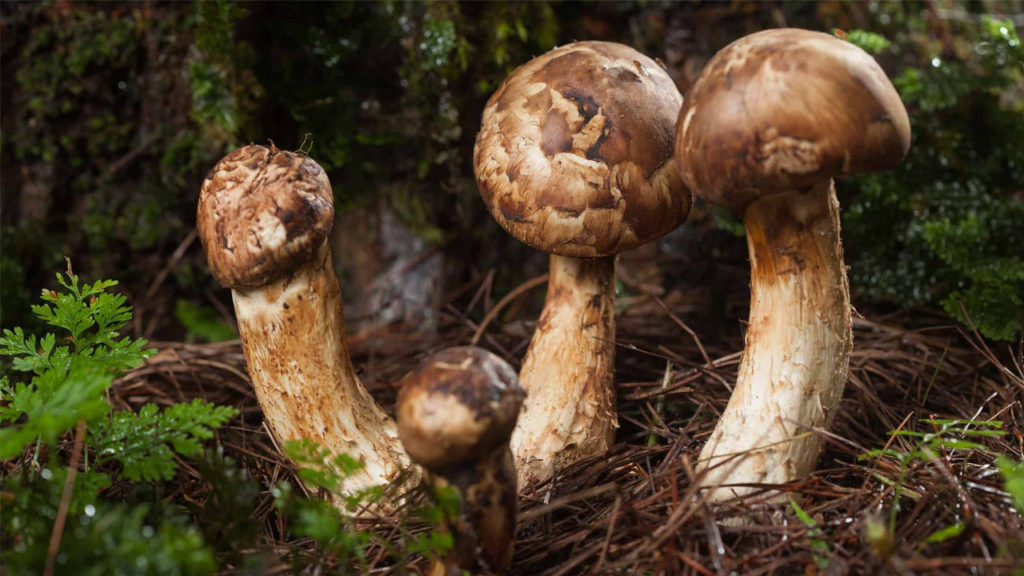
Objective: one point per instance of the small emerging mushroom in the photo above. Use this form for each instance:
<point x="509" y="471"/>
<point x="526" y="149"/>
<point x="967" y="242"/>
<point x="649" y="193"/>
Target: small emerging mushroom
<point x="575" y="158"/>
<point x="772" y="119"/>
<point x="455" y="416"/>
<point x="263" y="218"/>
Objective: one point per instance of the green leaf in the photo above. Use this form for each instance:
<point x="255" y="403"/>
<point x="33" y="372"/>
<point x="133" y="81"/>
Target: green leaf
<point x="1013" y="475"/>
<point x="28" y="355"/>
<point x="68" y="382"/>
<point x="51" y="405"/>
<point x="870" y="42"/>
<point x="819" y="546"/>
<point x="202" y="323"/>
<point x="960" y="444"/>
<point x="320" y="520"/>
<point x="802" y="514"/>
<point x="947" y="422"/>
<point x="944" y="534"/>
<point x="319" y="467"/>
<point x="144" y="442"/>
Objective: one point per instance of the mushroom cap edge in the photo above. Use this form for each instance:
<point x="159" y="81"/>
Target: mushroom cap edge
<point x="782" y="109"/>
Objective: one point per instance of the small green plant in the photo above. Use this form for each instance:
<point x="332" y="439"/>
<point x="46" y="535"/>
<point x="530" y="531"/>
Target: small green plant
<point x="65" y="388"/>
<point x="945" y="435"/>
<point x="866" y="40"/>
<point x="335" y="531"/>
<point x="202" y="323"/>
<point x="101" y="538"/>
<point x="1013" y="474"/>
<point x="68" y="381"/>
<point x="815" y="536"/>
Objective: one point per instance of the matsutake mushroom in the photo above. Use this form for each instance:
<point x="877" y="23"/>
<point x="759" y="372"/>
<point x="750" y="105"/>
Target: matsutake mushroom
<point x="575" y="158"/>
<point x="263" y="218"/>
<point x="772" y="119"/>
<point x="455" y="415"/>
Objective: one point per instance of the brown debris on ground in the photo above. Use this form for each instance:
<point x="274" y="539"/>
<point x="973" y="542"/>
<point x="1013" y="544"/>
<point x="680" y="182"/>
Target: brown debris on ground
<point x="634" y="511"/>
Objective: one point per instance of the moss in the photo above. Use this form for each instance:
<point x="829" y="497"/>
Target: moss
<point x="113" y="112"/>
<point x="99" y="121"/>
<point x="946" y="227"/>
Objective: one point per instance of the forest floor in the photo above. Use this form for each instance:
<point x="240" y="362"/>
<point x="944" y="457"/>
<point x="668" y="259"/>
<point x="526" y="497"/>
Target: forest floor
<point x="635" y="511"/>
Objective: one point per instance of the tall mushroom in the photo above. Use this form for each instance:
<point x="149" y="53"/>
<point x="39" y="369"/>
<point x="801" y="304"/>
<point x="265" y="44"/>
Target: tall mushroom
<point x="455" y="415"/>
<point x="263" y="218"/>
<point x="772" y="119"/>
<point x="574" y="157"/>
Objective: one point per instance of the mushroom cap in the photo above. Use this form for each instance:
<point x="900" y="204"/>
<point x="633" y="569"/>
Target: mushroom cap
<point x="262" y="213"/>
<point x="784" y="109"/>
<point x="460" y="404"/>
<point x="575" y="152"/>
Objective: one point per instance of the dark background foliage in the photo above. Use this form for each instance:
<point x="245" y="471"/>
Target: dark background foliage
<point x="112" y="113"/>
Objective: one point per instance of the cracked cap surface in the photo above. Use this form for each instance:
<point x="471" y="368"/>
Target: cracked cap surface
<point x="575" y="151"/>
<point x="262" y="213"/>
<point x="457" y="406"/>
<point x="783" y="109"/>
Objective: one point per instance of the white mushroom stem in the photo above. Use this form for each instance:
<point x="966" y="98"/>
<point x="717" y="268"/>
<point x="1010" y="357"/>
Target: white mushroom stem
<point x="798" y="346"/>
<point x="293" y="333"/>
<point x="569" y="411"/>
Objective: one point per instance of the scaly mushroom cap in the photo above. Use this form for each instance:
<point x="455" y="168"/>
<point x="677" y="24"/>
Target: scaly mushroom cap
<point x="262" y="212"/>
<point x="782" y="109"/>
<point x="575" y="153"/>
<point x="459" y="405"/>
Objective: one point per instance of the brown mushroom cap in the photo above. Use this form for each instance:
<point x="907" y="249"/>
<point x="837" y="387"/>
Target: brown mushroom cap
<point x="262" y="213"/>
<point x="782" y="109"/>
<point x="457" y="406"/>
<point x="575" y="153"/>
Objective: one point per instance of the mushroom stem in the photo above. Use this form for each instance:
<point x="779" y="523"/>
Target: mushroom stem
<point x="484" y="529"/>
<point x="263" y="217"/>
<point x="455" y="416"/>
<point x="569" y="412"/>
<point x="798" y="345"/>
<point x="293" y="334"/>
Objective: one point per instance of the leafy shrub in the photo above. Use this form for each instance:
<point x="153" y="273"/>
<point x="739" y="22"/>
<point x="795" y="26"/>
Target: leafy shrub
<point x="948" y="225"/>
<point x="100" y="538"/>
<point x="68" y="378"/>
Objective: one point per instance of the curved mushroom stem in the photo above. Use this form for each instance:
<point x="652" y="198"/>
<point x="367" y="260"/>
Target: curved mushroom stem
<point x="293" y="334"/>
<point x="484" y="530"/>
<point x="569" y="412"/>
<point x="263" y="217"/>
<point x="798" y="346"/>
